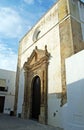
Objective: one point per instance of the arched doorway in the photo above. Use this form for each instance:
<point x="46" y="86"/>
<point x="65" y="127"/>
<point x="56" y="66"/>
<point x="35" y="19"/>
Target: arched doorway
<point x="36" y="98"/>
<point x="36" y="88"/>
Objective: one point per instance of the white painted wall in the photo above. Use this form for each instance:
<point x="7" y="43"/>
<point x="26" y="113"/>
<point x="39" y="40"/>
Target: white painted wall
<point x="73" y="111"/>
<point x="21" y="93"/>
<point x="10" y="77"/>
<point x="54" y="111"/>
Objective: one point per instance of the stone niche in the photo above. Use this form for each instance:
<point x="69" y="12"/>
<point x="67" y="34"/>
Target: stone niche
<point x="36" y="87"/>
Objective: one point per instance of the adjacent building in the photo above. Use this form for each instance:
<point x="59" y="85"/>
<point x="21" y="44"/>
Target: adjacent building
<point x="73" y="111"/>
<point x="7" y="90"/>
<point x="41" y="74"/>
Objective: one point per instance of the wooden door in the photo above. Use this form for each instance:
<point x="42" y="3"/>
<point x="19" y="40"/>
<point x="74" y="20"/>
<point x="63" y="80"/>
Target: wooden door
<point x="36" y="95"/>
<point x="2" y="99"/>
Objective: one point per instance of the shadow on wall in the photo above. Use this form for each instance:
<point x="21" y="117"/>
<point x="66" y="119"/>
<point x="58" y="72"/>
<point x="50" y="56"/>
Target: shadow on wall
<point x="73" y="111"/>
<point x="54" y="110"/>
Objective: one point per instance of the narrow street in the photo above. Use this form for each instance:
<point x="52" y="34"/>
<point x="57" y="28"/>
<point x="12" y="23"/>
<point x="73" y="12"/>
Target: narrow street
<point x="12" y="123"/>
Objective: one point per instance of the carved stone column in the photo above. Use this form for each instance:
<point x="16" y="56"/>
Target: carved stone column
<point x="43" y="108"/>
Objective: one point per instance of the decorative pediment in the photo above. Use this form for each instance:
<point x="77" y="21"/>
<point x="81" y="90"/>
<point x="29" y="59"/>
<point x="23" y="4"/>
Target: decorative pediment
<point x="36" y="56"/>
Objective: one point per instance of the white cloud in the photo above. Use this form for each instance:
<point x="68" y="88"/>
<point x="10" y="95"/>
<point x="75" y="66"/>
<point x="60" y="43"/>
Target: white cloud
<point x="29" y="1"/>
<point x="10" y="23"/>
<point x="8" y="58"/>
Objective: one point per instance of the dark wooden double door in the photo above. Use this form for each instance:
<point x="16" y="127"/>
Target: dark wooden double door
<point x="36" y="97"/>
<point x="2" y="100"/>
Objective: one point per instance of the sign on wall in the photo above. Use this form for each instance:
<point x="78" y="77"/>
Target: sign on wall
<point x="2" y="83"/>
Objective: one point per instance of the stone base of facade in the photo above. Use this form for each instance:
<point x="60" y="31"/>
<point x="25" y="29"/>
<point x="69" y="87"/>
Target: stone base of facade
<point x="43" y="115"/>
<point x="42" y="120"/>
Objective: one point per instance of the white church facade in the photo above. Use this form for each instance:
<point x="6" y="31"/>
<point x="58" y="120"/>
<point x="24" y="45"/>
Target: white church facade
<point x="41" y="91"/>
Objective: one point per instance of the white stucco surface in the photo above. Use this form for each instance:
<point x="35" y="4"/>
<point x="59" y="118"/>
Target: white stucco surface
<point x="73" y="111"/>
<point x="21" y="93"/>
<point x="10" y="77"/>
<point x="54" y="111"/>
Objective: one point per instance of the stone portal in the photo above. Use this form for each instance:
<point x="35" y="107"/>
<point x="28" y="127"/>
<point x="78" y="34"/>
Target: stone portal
<point x="35" y="87"/>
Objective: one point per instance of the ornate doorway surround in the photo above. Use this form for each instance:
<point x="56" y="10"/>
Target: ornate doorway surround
<point x="36" y="66"/>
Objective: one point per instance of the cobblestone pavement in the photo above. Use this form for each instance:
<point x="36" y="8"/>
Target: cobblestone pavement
<point x="12" y="123"/>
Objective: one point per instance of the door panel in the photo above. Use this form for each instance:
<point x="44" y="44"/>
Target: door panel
<point x="36" y="98"/>
<point x="2" y="99"/>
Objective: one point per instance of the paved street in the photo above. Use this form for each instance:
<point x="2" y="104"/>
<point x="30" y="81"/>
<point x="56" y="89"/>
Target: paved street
<point x="12" y="123"/>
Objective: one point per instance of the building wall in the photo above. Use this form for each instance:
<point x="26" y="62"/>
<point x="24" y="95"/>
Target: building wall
<point x="20" y="93"/>
<point x="71" y="34"/>
<point x="49" y="36"/>
<point x="66" y="43"/>
<point x="60" y="29"/>
<point x="9" y="76"/>
<point x="81" y="9"/>
<point x="77" y="22"/>
<point x="74" y="109"/>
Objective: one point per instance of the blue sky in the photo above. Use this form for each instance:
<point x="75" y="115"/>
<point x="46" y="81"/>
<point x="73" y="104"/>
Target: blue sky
<point x="16" y="18"/>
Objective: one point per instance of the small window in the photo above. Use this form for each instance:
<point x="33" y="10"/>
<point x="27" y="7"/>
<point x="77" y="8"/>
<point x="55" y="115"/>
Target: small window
<point x="36" y="35"/>
<point x="4" y="89"/>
